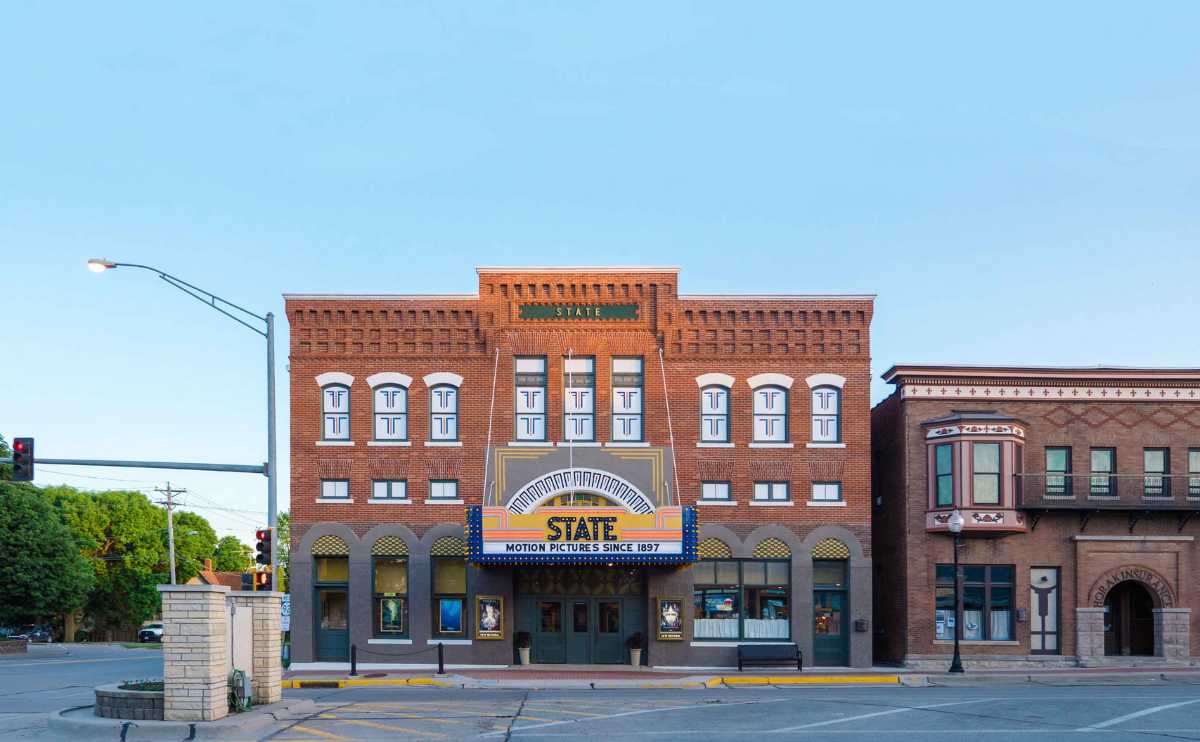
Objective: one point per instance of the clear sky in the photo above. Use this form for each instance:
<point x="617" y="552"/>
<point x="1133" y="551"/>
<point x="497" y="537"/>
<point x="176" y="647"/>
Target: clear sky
<point x="1017" y="182"/>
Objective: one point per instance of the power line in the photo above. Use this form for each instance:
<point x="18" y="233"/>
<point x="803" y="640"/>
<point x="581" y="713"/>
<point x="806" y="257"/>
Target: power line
<point x="107" y="479"/>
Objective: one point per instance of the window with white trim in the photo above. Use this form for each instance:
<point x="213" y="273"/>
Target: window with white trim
<point x="443" y="489"/>
<point x="443" y="413"/>
<point x="627" y="383"/>
<point x="770" y="414"/>
<point x="714" y="414"/>
<point x="714" y="490"/>
<point x="335" y="411"/>
<point x="826" y="414"/>
<point x="530" y="399"/>
<point x="335" y="489"/>
<point x="771" y="491"/>
<point x="391" y="413"/>
<point x="579" y="399"/>
<point x="827" y="492"/>
<point x="389" y="489"/>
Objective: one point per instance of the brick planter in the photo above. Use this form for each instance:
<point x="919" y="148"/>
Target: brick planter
<point x="13" y="646"/>
<point x="140" y="705"/>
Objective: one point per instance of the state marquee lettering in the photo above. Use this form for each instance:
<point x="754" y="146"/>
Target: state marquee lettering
<point x="579" y="311"/>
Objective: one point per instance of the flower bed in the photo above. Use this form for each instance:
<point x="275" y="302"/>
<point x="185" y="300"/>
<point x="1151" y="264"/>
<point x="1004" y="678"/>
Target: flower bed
<point x="125" y="701"/>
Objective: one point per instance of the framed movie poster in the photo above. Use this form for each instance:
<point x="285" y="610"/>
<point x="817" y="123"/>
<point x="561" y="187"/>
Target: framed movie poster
<point x="391" y="615"/>
<point x="489" y="617"/>
<point x="670" y="619"/>
<point x="450" y="615"/>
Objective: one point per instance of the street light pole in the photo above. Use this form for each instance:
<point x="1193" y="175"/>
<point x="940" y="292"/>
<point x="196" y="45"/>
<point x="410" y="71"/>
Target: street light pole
<point x="956" y="525"/>
<point x="99" y="265"/>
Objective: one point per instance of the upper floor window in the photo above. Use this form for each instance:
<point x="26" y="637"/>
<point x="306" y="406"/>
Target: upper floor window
<point x="1103" y="467"/>
<point x="579" y="399"/>
<point x="827" y="492"/>
<point x="443" y="413"/>
<point x="943" y="455"/>
<point x="1058" y="471"/>
<point x="714" y="490"/>
<point x="531" y="399"/>
<point x="335" y="412"/>
<point x="443" y="489"/>
<point x="1156" y="463"/>
<point x="335" y="489"/>
<point x="826" y="414"/>
<point x="714" y="414"/>
<point x="389" y="489"/>
<point x="771" y="491"/>
<point x="770" y="414"/>
<point x="1194" y="472"/>
<point x="391" y="413"/>
<point x="985" y="479"/>
<point x="627" y="384"/>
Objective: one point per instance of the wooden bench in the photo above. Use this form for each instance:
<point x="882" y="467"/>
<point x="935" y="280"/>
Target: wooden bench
<point x="768" y="654"/>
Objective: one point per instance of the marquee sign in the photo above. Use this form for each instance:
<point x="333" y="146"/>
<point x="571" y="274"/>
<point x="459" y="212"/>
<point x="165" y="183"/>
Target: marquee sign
<point x="574" y="535"/>
<point x="574" y="311"/>
<point x="562" y="481"/>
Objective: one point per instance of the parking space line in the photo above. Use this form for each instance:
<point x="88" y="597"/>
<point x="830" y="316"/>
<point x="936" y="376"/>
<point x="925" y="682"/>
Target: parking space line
<point x="317" y="733"/>
<point x="547" y="709"/>
<point x="390" y="727"/>
<point x="1136" y="714"/>
<point x="872" y="715"/>
<point x="645" y="711"/>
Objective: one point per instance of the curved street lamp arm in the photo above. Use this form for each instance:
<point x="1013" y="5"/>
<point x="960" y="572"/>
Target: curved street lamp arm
<point x="205" y="297"/>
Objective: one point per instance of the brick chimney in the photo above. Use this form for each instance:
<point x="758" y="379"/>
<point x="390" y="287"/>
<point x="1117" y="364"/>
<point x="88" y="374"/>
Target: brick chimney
<point x="208" y="565"/>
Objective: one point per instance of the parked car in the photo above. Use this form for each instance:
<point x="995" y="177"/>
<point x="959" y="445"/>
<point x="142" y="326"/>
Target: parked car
<point x="36" y="633"/>
<point x="151" y="632"/>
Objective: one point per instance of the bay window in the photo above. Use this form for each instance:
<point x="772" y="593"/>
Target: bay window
<point x="985" y="475"/>
<point x="943" y="455"/>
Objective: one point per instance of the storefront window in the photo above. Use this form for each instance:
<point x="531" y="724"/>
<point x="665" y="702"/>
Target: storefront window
<point x="449" y="596"/>
<point x="391" y="596"/>
<point x="723" y="587"/>
<point x="987" y="602"/>
<point x="333" y="569"/>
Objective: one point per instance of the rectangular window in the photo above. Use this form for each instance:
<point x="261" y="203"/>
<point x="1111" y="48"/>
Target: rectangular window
<point x="449" y="596"/>
<point x="748" y="599"/>
<point x="391" y="413"/>
<point x="1058" y="471"/>
<point x="714" y="414"/>
<point x="1194" y="472"/>
<point x="985" y="475"/>
<point x="531" y="399"/>
<point x="335" y="489"/>
<point x="1103" y="484"/>
<point x="579" y="399"/>
<point x="1156" y="465"/>
<point x="771" y="491"/>
<point x="335" y="411"/>
<point x="770" y="414"/>
<point x="987" y="602"/>
<point x="443" y="489"/>
<point x="332" y="569"/>
<point x="391" y="596"/>
<point x="389" y="489"/>
<point x="827" y="492"/>
<point x="714" y="490"/>
<point x="826" y="414"/>
<point x="443" y="413"/>
<point x="943" y="455"/>
<point x="627" y="383"/>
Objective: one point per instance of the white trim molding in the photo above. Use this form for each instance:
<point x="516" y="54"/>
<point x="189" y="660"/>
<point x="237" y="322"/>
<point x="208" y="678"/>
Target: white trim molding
<point x="334" y="377"/>
<point x="439" y="501"/>
<point x="389" y="377"/>
<point x="389" y="641"/>
<point x="335" y="443"/>
<point x="826" y="380"/>
<point x="826" y="503"/>
<point x="443" y="377"/>
<point x="709" y="503"/>
<point x="443" y="444"/>
<point x="782" y="380"/>
<point x="715" y="379"/>
<point x="770" y="445"/>
<point x="824" y="445"/>
<point x="714" y="444"/>
<point x="386" y="444"/>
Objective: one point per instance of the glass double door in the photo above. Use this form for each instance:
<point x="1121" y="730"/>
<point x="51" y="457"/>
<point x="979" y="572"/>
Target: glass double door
<point x="579" y="631"/>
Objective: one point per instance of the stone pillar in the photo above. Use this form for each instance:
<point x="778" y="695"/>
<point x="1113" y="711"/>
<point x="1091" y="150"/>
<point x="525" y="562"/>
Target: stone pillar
<point x="195" y="652"/>
<point x="1089" y="633"/>
<point x="1171" y="633"/>
<point x="266" y="670"/>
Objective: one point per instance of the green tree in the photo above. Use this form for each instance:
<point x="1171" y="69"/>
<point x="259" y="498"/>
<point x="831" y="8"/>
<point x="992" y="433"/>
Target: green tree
<point x="283" y="536"/>
<point x="5" y="469"/>
<point x="232" y="555"/>
<point x="42" y="574"/>
<point x="195" y="541"/>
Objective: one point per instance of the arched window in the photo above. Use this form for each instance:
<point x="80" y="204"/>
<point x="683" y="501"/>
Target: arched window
<point x="826" y="414"/>
<point x="449" y="567"/>
<point x="770" y="414"/>
<point x="335" y="412"/>
<point x="391" y="413"/>
<point x="443" y="413"/>
<point x="714" y="414"/>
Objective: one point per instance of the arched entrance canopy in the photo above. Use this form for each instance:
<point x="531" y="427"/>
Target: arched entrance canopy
<point x="552" y="484"/>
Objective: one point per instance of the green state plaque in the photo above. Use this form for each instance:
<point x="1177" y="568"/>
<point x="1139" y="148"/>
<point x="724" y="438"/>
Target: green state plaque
<point x="579" y="311"/>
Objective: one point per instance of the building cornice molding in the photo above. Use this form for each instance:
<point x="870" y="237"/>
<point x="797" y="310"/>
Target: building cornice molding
<point x="1050" y="393"/>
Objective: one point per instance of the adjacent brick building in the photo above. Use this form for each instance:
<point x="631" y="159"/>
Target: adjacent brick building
<point x="1078" y="487"/>
<point x="581" y="455"/>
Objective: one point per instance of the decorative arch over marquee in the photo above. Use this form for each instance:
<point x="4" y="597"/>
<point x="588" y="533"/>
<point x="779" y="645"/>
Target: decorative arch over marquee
<point x="1158" y="586"/>
<point x="529" y="497"/>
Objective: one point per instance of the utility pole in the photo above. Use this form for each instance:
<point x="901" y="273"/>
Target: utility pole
<point x="170" y="503"/>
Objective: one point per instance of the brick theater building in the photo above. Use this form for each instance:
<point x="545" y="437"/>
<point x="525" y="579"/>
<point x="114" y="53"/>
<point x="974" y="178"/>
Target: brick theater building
<point x="579" y="457"/>
<point x="1078" y="488"/>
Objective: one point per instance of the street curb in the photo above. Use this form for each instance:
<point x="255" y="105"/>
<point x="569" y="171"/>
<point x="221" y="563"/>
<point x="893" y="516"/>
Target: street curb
<point x="810" y="680"/>
<point x="599" y="684"/>
<point x="85" y="726"/>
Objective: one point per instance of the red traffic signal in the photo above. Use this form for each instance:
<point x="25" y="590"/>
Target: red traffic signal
<point x="22" y="450"/>
<point x="263" y="548"/>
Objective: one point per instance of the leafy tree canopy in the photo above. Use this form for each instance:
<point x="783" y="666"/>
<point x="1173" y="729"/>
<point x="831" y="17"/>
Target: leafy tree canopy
<point x="232" y="555"/>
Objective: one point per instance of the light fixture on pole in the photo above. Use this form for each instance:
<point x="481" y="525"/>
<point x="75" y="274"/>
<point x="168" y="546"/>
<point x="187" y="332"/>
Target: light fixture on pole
<point x="955" y="524"/>
<point x="243" y="317"/>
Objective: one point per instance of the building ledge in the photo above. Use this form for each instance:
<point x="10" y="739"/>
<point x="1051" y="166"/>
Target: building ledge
<point x="824" y="445"/>
<point x="714" y="444"/>
<point x="390" y="501"/>
<point x="826" y="503"/>
<point x="531" y="444"/>
<point x="627" y="444"/>
<point x="772" y="445"/>
<point x="443" y="444"/>
<point x="335" y="443"/>
<point x="578" y="444"/>
<point x="389" y="641"/>
<point x="335" y="499"/>
<point x="389" y="443"/>
<point x="710" y="503"/>
<point x="772" y="503"/>
<point x="432" y="501"/>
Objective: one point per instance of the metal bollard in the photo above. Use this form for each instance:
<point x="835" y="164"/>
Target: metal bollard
<point x="441" y="659"/>
<point x="353" y="660"/>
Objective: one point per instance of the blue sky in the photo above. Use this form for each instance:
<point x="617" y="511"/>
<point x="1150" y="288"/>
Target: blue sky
<point x="1018" y="183"/>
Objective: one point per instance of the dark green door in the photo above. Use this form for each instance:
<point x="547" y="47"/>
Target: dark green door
<point x="830" y="637"/>
<point x="579" y="632"/>
<point x="609" y="641"/>
<point x="549" y="638"/>
<point x="333" y="637"/>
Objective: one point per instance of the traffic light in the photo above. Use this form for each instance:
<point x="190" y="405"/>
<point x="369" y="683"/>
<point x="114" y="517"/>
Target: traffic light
<point x="264" y="546"/>
<point x="22" y="455"/>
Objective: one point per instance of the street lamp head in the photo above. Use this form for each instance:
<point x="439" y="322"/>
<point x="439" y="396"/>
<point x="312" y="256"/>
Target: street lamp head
<point x="956" y="522"/>
<point x="99" y="265"/>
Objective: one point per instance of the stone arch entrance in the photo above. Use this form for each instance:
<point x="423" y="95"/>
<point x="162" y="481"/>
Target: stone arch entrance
<point x="1131" y="612"/>
<point x="1128" y="620"/>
